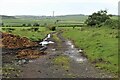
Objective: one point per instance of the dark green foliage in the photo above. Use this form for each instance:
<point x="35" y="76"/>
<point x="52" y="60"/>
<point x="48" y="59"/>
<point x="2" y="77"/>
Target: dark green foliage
<point x="56" y="21"/>
<point x="112" y="23"/>
<point x="36" y="24"/>
<point x="53" y="28"/>
<point x="97" y="18"/>
<point x="23" y="25"/>
<point x="33" y="29"/>
<point x="2" y="24"/>
<point x="8" y="29"/>
<point x="26" y="25"/>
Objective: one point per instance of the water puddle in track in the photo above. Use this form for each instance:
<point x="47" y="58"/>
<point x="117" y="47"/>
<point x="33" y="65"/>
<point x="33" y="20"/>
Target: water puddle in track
<point x="74" y="53"/>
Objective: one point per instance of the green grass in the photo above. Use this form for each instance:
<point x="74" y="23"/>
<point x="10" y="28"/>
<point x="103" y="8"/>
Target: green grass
<point x="63" y="20"/>
<point x="62" y="61"/>
<point x="56" y="38"/>
<point x="98" y="43"/>
<point x="114" y="17"/>
<point x="32" y="35"/>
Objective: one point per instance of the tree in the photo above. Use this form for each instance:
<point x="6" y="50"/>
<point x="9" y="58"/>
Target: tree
<point x="2" y="24"/>
<point x="34" y="29"/>
<point x="51" y="27"/>
<point x="97" y="18"/>
<point x="24" y="25"/>
<point x="36" y="24"/>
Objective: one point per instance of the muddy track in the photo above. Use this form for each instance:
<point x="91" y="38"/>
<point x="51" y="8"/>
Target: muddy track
<point x="13" y="51"/>
<point x="45" y="67"/>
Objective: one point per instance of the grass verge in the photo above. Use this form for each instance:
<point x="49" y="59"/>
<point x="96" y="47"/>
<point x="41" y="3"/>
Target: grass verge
<point x="62" y="61"/>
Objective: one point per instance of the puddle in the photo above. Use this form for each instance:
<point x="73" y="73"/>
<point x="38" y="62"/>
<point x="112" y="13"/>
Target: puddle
<point x="24" y="61"/>
<point x="73" y="53"/>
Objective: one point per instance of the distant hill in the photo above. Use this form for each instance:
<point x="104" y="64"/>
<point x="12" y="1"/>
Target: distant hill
<point x="43" y="17"/>
<point x="71" y="15"/>
<point x="18" y="20"/>
<point x="29" y="17"/>
<point x="7" y="17"/>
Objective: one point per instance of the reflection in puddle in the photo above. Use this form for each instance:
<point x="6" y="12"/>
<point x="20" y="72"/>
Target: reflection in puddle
<point x="73" y="53"/>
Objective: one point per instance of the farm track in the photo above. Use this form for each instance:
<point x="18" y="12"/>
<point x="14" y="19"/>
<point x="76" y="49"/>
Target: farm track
<point x="44" y="67"/>
<point x="7" y="51"/>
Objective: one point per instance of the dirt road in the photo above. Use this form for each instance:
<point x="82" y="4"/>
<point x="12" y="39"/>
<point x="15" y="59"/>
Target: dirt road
<point x="53" y="65"/>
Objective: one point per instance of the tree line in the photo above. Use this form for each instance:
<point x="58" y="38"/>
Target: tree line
<point x="22" y="25"/>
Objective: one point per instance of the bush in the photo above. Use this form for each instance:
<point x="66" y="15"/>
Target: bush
<point x="33" y="29"/>
<point x="8" y="29"/>
<point x="2" y="24"/>
<point x="112" y="23"/>
<point x="53" y="28"/>
<point x="36" y="24"/>
<point x="23" y="25"/>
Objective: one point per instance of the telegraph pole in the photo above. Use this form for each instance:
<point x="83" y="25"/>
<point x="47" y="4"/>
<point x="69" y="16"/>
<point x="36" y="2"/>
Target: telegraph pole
<point x="53" y="13"/>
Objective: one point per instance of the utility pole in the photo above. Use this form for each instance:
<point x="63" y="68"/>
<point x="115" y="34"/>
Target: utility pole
<point x="53" y="13"/>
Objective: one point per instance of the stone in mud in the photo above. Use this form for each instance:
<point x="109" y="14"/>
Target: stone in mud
<point x="29" y="54"/>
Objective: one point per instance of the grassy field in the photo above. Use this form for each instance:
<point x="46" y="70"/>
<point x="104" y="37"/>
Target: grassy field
<point x="99" y="44"/>
<point x="63" y="20"/>
<point x="28" y="32"/>
<point x="114" y="17"/>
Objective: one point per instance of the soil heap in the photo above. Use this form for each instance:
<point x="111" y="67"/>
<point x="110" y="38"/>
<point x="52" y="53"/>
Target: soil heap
<point x="14" y="41"/>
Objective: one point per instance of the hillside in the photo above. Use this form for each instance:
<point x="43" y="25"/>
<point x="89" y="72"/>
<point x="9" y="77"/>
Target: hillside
<point x="7" y="17"/>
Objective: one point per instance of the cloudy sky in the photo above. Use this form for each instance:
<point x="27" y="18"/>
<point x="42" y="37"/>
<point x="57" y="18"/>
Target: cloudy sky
<point x="61" y="7"/>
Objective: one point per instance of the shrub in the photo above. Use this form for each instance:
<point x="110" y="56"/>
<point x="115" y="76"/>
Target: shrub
<point x="112" y="23"/>
<point x="33" y="29"/>
<point x="53" y="28"/>
<point x="36" y="24"/>
<point x="2" y="24"/>
<point x="23" y="25"/>
<point x="8" y="29"/>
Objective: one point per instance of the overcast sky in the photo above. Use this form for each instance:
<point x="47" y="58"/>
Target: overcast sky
<point x="61" y="7"/>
